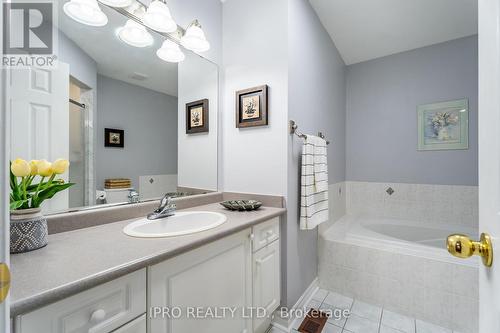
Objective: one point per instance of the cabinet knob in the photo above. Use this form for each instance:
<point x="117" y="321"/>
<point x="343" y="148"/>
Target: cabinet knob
<point x="97" y="316"/>
<point x="251" y="236"/>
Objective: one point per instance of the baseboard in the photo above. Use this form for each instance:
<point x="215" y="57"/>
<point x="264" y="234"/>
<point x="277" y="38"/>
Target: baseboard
<point x="285" y="323"/>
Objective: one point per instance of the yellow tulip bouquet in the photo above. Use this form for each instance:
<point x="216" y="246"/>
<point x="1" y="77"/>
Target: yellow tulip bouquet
<point x="25" y="193"/>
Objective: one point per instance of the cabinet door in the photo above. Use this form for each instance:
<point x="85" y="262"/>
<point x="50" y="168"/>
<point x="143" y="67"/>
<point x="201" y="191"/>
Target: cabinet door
<point x="214" y="277"/>
<point x="266" y="283"/>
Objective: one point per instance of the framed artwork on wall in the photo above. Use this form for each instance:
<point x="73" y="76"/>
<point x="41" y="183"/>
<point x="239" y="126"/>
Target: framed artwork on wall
<point x="197" y="116"/>
<point x="444" y="125"/>
<point x="114" y="138"/>
<point x="251" y="107"/>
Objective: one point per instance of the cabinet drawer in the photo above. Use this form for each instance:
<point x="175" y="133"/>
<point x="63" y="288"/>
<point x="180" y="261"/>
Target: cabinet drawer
<point x="266" y="233"/>
<point x="97" y="310"/>
<point x="136" y="326"/>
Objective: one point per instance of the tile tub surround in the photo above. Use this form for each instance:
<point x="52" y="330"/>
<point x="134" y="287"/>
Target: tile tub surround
<point x="442" y="293"/>
<point x="77" y="260"/>
<point x="446" y="204"/>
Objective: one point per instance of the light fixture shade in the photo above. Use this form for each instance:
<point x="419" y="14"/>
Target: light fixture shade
<point x="86" y="12"/>
<point x="158" y="17"/>
<point x="117" y="3"/>
<point x="135" y="34"/>
<point x="194" y="39"/>
<point x="170" y="52"/>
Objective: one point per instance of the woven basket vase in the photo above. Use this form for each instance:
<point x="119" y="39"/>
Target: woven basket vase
<point x="28" y="230"/>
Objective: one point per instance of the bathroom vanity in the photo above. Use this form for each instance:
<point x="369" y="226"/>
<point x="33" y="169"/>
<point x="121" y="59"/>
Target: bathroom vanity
<point x="98" y="279"/>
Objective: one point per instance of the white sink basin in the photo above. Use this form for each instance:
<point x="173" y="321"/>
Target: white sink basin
<point x="182" y="223"/>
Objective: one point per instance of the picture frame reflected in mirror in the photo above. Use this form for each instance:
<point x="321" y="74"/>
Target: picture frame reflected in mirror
<point x="197" y="117"/>
<point x="114" y="138"/>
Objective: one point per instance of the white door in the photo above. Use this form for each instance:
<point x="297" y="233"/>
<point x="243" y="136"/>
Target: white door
<point x="4" y="201"/>
<point x="489" y="160"/>
<point x="39" y="119"/>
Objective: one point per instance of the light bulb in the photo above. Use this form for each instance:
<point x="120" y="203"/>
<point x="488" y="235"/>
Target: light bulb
<point x="135" y="34"/>
<point x="194" y="39"/>
<point x="158" y="17"/>
<point x="86" y="12"/>
<point x="170" y="52"/>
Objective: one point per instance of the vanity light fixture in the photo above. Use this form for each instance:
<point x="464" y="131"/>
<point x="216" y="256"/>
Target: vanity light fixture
<point x="86" y="12"/>
<point x="194" y="39"/>
<point x="117" y="3"/>
<point x="135" y="34"/>
<point x="170" y="52"/>
<point x="158" y="17"/>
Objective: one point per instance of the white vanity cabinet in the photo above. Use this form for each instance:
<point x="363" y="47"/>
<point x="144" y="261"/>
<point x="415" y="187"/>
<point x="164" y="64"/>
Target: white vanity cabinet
<point x="266" y="272"/>
<point x="101" y="309"/>
<point x="211" y="277"/>
<point x="236" y="274"/>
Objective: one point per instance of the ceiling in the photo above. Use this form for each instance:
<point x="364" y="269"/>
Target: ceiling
<point x="368" y="29"/>
<point x="118" y="60"/>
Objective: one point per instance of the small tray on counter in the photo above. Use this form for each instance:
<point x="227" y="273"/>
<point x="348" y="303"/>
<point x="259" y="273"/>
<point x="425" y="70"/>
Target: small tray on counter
<point x="241" y="205"/>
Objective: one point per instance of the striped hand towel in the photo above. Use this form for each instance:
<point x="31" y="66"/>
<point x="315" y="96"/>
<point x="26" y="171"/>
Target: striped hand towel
<point x="314" y="183"/>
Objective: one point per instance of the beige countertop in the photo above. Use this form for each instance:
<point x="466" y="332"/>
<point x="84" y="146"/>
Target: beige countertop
<point x="77" y="260"/>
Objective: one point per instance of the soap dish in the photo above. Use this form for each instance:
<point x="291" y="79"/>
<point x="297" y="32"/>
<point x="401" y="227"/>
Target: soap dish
<point x="241" y="204"/>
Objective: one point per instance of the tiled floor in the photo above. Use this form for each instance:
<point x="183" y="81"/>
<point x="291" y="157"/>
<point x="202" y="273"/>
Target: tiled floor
<point x="364" y="317"/>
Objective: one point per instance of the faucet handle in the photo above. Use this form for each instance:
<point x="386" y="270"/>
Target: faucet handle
<point x="165" y="200"/>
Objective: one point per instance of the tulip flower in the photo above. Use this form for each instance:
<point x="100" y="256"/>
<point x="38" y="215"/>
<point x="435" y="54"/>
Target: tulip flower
<point x="20" y="168"/>
<point x="34" y="167"/>
<point x="24" y="194"/>
<point x="60" y="166"/>
<point x="45" y="168"/>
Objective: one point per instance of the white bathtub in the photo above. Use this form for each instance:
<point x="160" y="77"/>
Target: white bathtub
<point x="403" y="266"/>
<point x="405" y="236"/>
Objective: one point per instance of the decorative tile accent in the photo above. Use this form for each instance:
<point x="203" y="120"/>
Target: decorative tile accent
<point x="427" y="203"/>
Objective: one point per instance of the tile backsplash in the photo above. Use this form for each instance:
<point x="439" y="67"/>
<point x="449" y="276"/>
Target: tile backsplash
<point x="447" y="204"/>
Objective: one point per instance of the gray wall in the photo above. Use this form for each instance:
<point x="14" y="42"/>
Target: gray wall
<point x="316" y="100"/>
<point x="382" y="97"/>
<point x="149" y="119"/>
<point x="81" y="66"/>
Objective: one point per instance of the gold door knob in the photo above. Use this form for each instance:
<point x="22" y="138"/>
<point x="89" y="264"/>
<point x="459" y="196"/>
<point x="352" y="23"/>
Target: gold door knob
<point x="4" y="281"/>
<point x="462" y="246"/>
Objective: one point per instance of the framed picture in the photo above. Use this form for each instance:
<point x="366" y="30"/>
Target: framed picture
<point x="443" y="125"/>
<point x="114" y="138"/>
<point x="251" y="107"/>
<point x="197" y="116"/>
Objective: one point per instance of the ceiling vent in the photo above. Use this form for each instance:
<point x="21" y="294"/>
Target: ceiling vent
<point x="138" y="76"/>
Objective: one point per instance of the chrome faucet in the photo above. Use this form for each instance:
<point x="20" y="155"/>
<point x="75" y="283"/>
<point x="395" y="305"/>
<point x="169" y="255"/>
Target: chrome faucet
<point x="166" y="209"/>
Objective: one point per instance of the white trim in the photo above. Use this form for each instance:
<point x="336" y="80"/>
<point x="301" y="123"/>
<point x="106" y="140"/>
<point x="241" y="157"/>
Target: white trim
<point x="285" y="323"/>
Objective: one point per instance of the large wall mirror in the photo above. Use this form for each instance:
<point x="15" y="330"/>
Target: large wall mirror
<point x="122" y="116"/>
